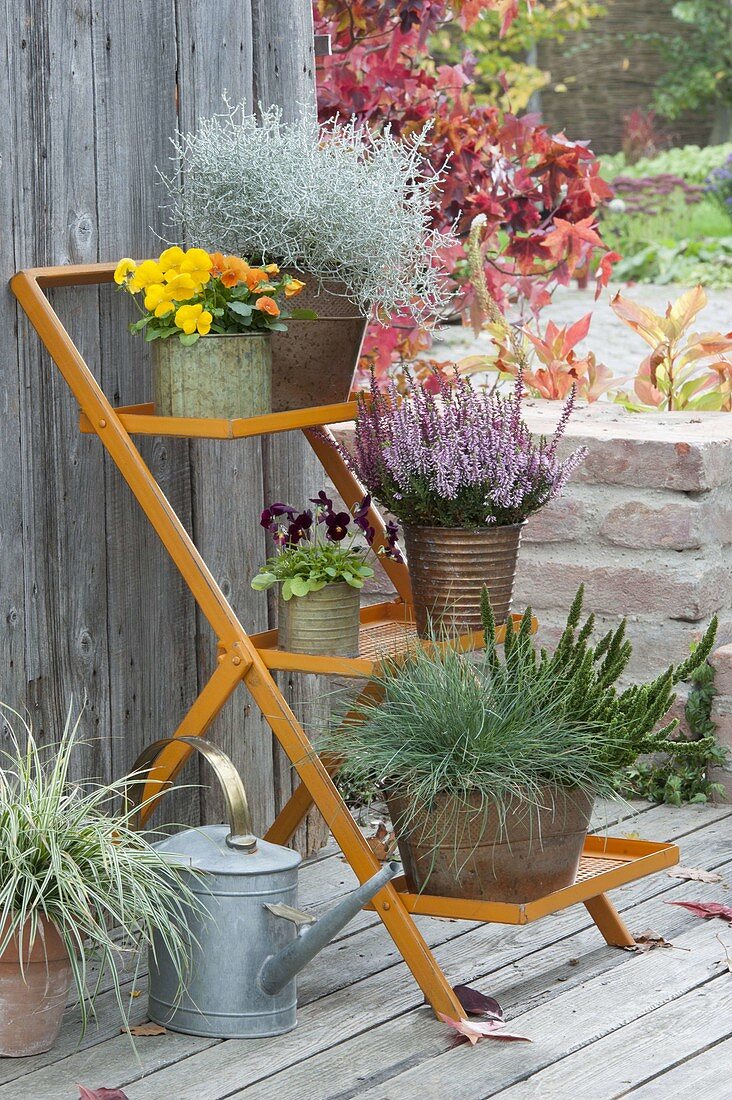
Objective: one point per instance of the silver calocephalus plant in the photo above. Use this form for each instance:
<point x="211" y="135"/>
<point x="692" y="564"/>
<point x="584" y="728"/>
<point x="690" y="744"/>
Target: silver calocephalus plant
<point x="336" y="201"/>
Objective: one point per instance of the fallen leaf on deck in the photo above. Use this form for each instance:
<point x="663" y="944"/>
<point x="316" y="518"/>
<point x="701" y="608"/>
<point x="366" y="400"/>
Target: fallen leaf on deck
<point x="136" y="993"/>
<point x="382" y="843"/>
<point x="694" y="874"/>
<point x="727" y="960"/>
<point x="476" y="1003"/>
<point x="705" y="909"/>
<point x="473" y="1030"/>
<point x="647" y="940"/>
<point x="631" y="836"/>
<point x="100" y="1094"/>
<point x="143" y="1030"/>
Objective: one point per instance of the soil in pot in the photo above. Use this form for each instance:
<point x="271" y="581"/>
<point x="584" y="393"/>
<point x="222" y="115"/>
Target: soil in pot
<point x="314" y="362"/>
<point x="462" y="850"/>
<point x="449" y="567"/>
<point x="324" y="622"/>
<point x="32" y="1001"/>
<point x="218" y="376"/>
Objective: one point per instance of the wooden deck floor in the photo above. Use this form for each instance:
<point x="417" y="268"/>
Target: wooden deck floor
<point x="604" y="1023"/>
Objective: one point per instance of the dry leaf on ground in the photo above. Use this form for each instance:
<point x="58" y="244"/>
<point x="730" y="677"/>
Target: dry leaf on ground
<point x="100" y="1094"/>
<point x="694" y="874"/>
<point x="474" y="1030"/>
<point x="476" y="1003"/>
<point x="727" y="960"/>
<point x="706" y="909"/>
<point x="648" y="940"/>
<point x="141" y="1031"/>
<point x="382" y="843"/>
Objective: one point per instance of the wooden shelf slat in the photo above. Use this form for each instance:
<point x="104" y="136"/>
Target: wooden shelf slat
<point x="142" y="420"/>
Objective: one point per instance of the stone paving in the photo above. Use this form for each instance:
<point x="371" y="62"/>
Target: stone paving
<point x="613" y="342"/>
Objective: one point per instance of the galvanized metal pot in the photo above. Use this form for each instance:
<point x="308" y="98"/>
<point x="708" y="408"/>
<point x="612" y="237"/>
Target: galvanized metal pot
<point x="460" y="850"/>
<point x="314" y="362"/>
<point x="325" y="622"/>
<point x="450" y="566"/>
<point x="218" y="376"/>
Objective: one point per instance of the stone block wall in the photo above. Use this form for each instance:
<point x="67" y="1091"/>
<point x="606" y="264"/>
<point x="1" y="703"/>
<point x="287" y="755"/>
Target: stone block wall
<point x="646" y="526"/>
<point x="722" y="713"/>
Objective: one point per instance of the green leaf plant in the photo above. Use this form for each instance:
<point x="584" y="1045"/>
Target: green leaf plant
<point x="69" y="854"/>
<point x="504" y="727"/>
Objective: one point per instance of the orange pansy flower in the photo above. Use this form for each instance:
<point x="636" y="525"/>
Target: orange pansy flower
<point x="230" y="269"/>
<point x="267" y="305"/>
<point x="256" y="278"/>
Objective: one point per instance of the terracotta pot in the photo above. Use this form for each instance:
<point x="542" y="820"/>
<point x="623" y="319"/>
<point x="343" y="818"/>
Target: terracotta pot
<point x="324" y="622"/>
<point x="32" y="1002"/>
<point x="464" y="851"/>
<point x="314" y="362"/>
<point x="218" y="376"/>
<point x="450" y="566"/>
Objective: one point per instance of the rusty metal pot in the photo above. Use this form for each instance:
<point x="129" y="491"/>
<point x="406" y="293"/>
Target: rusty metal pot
<point x="464" y="850"/>
<point x="314" y="362"/>
<point x="324" y="622"/>
<point x="450" y="566"/>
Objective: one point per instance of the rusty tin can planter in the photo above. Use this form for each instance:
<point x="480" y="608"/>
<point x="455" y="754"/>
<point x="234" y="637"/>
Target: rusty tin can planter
<point x="324" y="623"/>
<point x="314" y="362"/>
<point x="218" y="376"/>
<point x="450" y="566"/>
<point x="32" y="1002"/>
<point x="466" y="851"/>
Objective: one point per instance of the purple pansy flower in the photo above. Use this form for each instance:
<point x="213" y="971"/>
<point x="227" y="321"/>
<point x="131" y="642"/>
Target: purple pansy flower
<point x="300" y="527"/>
<point x="337" y="526"/>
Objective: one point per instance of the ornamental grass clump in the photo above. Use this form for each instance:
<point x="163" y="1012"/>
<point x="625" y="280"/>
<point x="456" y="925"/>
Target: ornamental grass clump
<point x="458" y="458"/>
<point x="69" y="854"/>
<point x="338" y="202"/>
<point x="498" y="732"/>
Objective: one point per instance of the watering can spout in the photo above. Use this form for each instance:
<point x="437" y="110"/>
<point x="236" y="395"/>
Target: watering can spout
<point x="280" y="969"/>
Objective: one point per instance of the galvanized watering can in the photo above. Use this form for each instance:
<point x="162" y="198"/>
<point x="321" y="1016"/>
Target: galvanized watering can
<point x="251" y="941"/>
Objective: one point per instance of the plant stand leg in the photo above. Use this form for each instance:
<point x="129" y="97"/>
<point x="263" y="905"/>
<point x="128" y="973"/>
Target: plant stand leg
<point x="608" y="920"/>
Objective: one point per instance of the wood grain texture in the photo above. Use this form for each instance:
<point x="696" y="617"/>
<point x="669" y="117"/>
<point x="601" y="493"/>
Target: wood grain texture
<point x="50" y="65"/>
<point x="284" y="74"/>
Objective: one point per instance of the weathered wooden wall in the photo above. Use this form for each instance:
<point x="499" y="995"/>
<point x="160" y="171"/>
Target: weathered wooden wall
<point x="89" y="604"/>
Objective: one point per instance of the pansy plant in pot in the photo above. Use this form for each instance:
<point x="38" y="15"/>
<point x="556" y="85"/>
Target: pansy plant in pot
<point x="209" y="318"/>
<point x="320" y="566"/>
<point x="462" y="472"/>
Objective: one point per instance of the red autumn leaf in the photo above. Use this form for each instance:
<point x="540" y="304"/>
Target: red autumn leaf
<point x="706" y="909"/>
<point x="477" y="1004"/>
<point x="474" y="1030"/>
<point x="100" y="1094"/>
<point x="604" y="271"/>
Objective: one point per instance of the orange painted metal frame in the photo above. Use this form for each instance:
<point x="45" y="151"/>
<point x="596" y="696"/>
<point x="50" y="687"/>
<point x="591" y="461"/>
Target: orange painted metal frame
<point x="251" y="659"/>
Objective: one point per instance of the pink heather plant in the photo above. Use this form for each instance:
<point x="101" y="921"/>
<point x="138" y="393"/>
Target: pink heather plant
<point x="457" y="458"/>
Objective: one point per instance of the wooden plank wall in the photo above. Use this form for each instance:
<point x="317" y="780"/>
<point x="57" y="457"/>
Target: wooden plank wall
<point x="89" y="605"/>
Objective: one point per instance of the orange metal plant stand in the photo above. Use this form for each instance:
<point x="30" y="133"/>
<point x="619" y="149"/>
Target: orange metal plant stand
<point x="251" y="659"/>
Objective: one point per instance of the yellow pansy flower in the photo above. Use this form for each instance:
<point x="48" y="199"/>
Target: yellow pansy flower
<point x="272" y="269"/>
<point x="147" y="273"/>
<point x="180" y="287"/>
<point x="124" y="268"/>
<point x="172" y="257"/>
<point x="164" y="309"/>
<point x="193" y="319"/>
<point x="197" y="263"/>
<point x="293" y="287"/>
<point x="154" y="295"/>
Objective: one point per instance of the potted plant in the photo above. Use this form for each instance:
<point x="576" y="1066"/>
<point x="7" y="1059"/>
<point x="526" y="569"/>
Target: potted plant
<point x="490" y="767"/>
<point x="348" y="207"/>
<point x="73" y="875"/>
<point x="320" y="567"/>
<point x="462" y="473"/>
<point x="210" y="319"/>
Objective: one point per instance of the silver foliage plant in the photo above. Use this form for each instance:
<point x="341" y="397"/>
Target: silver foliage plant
<point x="334" y="201"/>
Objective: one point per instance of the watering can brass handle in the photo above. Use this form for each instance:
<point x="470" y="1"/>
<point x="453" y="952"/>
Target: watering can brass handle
<point x="241" y="836"/>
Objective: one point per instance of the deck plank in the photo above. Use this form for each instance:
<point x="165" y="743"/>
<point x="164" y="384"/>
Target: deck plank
<point x="527" y="967"/>
<point x="707" y="1076"/>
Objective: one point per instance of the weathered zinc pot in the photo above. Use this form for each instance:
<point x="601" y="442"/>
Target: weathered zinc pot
<point x="218" y="376"/>
<point x="324" y="622"/>
<point x="464" y="850"/>
<point x="449" y="567"/>
<point x="314" y="362"/>
<point x="32" y="1001"/>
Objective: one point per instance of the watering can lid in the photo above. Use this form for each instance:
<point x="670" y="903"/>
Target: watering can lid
<point x="206" y="849"/>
